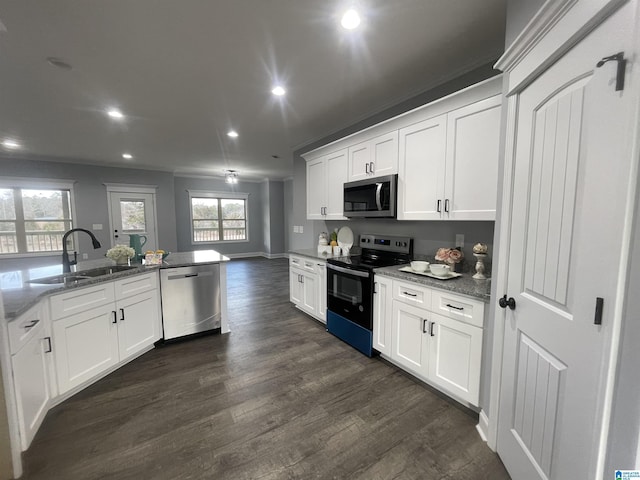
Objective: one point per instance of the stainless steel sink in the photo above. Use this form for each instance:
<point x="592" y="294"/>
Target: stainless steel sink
<point x="73" y="278"/>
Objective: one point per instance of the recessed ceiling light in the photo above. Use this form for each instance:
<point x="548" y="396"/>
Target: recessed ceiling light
<point x="12" y="144"/>
<point x="233" y="134"/>
<point x="278" y="91"/>
<point x="57" y="62"/>
<point x="127" y="156"/>
<point x="115" y="113"/>
<point x="350" y="19"/>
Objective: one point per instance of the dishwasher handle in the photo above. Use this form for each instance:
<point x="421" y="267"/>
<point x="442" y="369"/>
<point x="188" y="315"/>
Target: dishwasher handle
<point x="189" y="275"/>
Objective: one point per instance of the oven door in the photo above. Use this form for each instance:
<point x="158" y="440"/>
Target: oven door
<point x="349" y="294"/>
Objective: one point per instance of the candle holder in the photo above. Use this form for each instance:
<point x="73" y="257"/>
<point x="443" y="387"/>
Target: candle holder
<point x="479" y="275"/>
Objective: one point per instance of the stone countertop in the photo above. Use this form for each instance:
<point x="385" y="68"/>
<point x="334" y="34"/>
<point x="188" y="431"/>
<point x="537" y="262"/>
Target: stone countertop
<point x="313" y="253"/>
<point x="464" y="285"/>
<point x="18" y="295"/>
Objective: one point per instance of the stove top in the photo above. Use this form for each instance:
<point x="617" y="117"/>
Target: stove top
<point x="378" y="251"/>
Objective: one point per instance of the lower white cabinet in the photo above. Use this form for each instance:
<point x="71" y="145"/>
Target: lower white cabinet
<point x="92" y="341"/>
<point x="444" y="349"/>
<point x="308" y="286"/>
<point x="31" y="373"/>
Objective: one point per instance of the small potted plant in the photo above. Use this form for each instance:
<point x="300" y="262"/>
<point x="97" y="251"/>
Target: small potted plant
<point x="121" y="254"/>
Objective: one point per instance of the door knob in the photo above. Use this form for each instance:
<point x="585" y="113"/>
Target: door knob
<point x="505" y="302"/>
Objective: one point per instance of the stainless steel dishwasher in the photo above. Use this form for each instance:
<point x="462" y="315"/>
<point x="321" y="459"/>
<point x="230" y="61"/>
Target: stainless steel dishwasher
<point x="190" y="299"/>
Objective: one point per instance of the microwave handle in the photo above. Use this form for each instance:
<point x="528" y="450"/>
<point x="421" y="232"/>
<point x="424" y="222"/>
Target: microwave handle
<point x="378" y="195"/>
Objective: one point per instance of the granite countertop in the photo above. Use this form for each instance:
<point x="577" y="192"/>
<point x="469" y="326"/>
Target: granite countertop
<point x="18" y="295"/>
<point x="313" y="253"/>
<point x="464" y="285"/>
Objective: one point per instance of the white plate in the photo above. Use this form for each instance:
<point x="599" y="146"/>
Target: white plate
<point x="345" y="237"/>
<point x="429" y="274"/>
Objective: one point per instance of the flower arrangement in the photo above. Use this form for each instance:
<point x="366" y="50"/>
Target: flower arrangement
<point x="120" y="251"/>
<point x="449" y="255"/>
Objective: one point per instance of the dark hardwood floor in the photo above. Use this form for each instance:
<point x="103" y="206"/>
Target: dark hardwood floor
<point x="278" y="398"/>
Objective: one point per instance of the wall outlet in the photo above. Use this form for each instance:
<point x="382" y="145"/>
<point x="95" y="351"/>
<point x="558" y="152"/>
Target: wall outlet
<point x="296" y="229"/>
<point x="97" y="226"/>
<point x="301" y="229"/>
<point x="85" y="256"/>
<point x="460" y="240"/>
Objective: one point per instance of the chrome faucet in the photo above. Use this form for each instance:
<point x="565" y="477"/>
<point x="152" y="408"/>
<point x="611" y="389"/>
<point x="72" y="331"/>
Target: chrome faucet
<point x="66" y="263"/>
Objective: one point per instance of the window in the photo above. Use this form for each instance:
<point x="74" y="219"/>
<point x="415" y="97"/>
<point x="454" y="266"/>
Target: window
<point x="34" y="219"/>
<point x="218" y="217"/>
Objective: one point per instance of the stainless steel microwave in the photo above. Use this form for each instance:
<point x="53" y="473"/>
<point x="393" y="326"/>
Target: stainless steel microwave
<point x="372" y="197"/>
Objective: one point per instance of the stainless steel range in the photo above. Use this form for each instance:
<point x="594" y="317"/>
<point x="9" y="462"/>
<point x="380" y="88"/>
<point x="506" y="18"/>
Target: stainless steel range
<point x="350" y="287"/>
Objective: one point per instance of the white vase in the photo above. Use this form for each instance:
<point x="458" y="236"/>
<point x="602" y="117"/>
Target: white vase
<point x="122" y="260"/>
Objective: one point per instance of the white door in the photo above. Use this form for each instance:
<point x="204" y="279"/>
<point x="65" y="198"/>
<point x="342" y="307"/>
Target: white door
<point x="295" y="286"/>
<point x="570" y="185"/>
<point x="336" y="171"/>
<point x="384" y="154"/>
<point x="309" y="293"/>
<point x="133" y="213"/>
<point x="359" y="161"/>
<point x="410" y="347"/>
<point x="382" y="314"/>
<point x="137" y="323"/>
<point x="316" y="188"/>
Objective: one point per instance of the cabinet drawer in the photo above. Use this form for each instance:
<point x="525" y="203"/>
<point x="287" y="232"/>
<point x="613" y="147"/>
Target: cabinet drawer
<point x="411" y="294"/>
<point x="303" y="263"/>
<point x="131" y="286"/>
<point x="81" y="299"/>
<point x="24" y="327"/>
<point x="458" y="307"/>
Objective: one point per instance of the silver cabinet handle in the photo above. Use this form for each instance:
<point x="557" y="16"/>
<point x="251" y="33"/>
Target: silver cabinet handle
<point x="446" y="205"/>
<point x="410" y="294"/>
<point x="366" y="169"/>
<point x="115" y="316"/>
<point x="425" y="324"/>
<point x="454" y="307"/>
<point x="122" y="314"/>
<point x="431" y="329"/>
<point x="371" y="169"/>
<point x="50" y="349"/>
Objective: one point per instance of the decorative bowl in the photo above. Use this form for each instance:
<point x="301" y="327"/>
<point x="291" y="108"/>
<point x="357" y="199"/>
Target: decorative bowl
<point x="440" y="269"/>
<point x="419" y="266"/>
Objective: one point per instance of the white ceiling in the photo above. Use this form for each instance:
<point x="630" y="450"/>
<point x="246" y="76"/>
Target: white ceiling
<point x="185" y="72"/>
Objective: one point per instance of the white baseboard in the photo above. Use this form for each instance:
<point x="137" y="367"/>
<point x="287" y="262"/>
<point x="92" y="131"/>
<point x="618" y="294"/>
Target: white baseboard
<point x="256" y="254"/>
<point x="483" y="426"/>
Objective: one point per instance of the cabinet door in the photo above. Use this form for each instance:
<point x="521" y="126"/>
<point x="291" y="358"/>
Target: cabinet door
<point x="316" y="188"/>
<point x="138" y="323"/>
<point x="31" y="376"/>
<point x="471" y="179"/>
<point x="86" y="344"/>
<point x="310" y="293"/>
<point x="455" y="357"/>
<point x="382" y="314"/>
<point x="336" y="172"/>
<point x="295" y="286"/>
<point x="384" y="154"/>
<point x="410" y="340"/>
<point x="421" y="170"/>
<point x="322" y="292"/>
<point x="359" y="161"/>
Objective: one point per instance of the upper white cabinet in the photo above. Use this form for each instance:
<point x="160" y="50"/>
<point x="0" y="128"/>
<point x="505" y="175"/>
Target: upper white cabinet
<point x="448" y="167"/>
<point x="326" y="176"/>
<point x="374" y="158"/>
<point x="445" y="154"/>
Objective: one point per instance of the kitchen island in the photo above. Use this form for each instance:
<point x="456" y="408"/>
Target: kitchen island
<point x="59" y="337"/>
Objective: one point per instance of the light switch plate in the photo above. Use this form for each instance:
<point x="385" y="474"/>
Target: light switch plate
<point x="460" y="240"/>
<point x="85" y="256"/>
<point x="97" y="226"/>
<point x="301" y="229"/>
<point x="295" y="229"/>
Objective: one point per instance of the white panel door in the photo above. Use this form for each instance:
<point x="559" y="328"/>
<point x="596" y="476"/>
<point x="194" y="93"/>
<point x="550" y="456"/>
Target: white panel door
<point x="384" y="154"/>
<point x="310" y="293"/>
<point x="421" y="170"/>
<point x="316" y="188"/>
<point x="570" y="185"/>
<point x="410" y="340"/>
<point x="473" y="143"/>
<point x="295" y="286"/>
<point x="336" y="171"/>
<point x="382" y="314"/>
<point x="321" y="312"/>
<point x="138" y="323"/>
<point x="86" y="344"/>
<point x="133" y="213"/>
<point x="455" y="357"/>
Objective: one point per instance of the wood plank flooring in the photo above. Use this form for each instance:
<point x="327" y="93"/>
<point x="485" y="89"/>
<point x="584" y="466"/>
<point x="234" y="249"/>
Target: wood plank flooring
<point x="278" y="398"/>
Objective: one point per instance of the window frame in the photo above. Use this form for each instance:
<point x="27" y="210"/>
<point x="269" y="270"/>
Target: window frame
<point x="220" y="196"/>
<point x="38" y="184"/>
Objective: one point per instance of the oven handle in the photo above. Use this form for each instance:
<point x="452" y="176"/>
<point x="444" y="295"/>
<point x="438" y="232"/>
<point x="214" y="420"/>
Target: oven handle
<point x="348" y="271"/>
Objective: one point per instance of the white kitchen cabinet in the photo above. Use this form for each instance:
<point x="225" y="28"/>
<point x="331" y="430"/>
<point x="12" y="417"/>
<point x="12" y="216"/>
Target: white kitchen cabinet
<point x="448" y="165"/>
<point x="434" y="334"/>
<point x="454" y="357"/>
<point x="86" y="344"/>
<point x="31" y="371"/>
<point x="308" y="286"/>
<point x="326" y="176"/>
<point x="90" y="342"/>
<point x="410" y="338"/>
<point x="374" y="158"/>
<point x="382" y="314"/>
